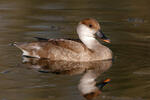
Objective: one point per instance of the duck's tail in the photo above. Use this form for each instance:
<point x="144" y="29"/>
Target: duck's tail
<point x="16" y="44"/>
<point x="12" y="44"/>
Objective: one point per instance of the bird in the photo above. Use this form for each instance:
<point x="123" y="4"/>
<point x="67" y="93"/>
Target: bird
<point x="89" y="49"/>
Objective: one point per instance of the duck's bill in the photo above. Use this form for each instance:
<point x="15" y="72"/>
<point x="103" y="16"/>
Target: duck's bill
<point x="107" y="41"/>
<point x="102" y="36"/>
<point x="107" y="80"/>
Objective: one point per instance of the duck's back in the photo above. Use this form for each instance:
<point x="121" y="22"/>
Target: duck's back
<point x="56" y="49"/>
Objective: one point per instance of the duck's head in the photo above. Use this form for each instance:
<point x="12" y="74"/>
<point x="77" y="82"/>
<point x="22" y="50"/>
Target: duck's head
<point x="89" y="28"/>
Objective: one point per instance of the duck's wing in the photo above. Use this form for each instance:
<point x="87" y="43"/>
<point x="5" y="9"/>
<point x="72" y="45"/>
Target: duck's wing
<point x="55" y="49"/>
<point x="41" y="39"/>
<point x="45" y="39"/>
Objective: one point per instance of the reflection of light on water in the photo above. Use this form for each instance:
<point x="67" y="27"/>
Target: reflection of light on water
<point x="52" y="6"/>
<point x="6" y="71"/>
<point x="142" y="73"/>
<point x="121" y="98"/>
<point x="140" y="36"/>
<point x="136" y="21"/>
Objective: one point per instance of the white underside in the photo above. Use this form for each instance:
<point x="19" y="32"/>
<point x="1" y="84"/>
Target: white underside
<point x="26" y="53"/>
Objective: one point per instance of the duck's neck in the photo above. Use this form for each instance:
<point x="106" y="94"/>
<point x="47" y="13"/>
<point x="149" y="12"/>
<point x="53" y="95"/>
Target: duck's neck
<point x="90" y="42"/>
<point x="87" y="37"/>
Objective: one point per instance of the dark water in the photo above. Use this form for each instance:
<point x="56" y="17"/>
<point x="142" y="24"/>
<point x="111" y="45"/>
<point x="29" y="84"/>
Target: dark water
<point x="125" y="22"/>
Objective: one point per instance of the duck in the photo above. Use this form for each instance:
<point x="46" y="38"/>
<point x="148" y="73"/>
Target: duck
<point x="89" y="49"/>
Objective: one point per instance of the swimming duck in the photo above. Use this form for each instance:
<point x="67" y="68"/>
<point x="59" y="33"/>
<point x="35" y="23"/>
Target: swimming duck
<point x="90" y="49"/>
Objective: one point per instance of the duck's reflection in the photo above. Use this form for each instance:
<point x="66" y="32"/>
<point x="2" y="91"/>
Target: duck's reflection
<point x="88" y="86"/>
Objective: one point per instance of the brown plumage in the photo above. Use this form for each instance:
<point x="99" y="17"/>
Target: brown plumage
<point x="60" y="49"/>
<point x="56" y="50"/>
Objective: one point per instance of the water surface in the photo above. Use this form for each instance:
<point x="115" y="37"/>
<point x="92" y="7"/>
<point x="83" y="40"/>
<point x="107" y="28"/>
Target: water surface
<point x="126" y="23"/>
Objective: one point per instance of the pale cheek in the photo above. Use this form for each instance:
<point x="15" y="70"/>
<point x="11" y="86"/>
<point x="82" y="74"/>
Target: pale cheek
<point x="83" y="30"/>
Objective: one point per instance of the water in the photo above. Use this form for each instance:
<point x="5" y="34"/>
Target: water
<point x="126" y="23"/>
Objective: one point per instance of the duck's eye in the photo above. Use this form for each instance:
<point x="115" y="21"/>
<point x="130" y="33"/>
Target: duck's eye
<point x="90" y="25"/>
